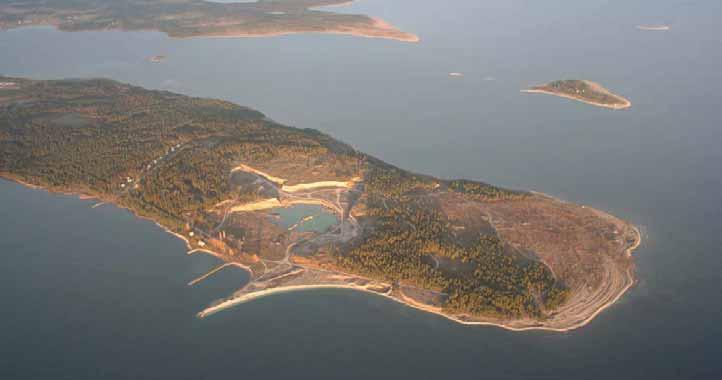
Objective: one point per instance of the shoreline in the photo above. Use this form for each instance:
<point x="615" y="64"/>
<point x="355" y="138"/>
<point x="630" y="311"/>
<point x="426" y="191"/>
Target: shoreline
<point x="409" y="39"/>
<point x="586" y="318"/>
<point x="248" y="297"/>
<point x="368" y="27"/>
<point x="626" y="105"/>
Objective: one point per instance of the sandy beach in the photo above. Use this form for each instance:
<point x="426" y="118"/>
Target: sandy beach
<point x="583" y="317"/>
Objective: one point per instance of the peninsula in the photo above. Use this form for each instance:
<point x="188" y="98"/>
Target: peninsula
<point x="197" y="18"/>
<point x="583" y="91"/>
<point x="223" y="177"/>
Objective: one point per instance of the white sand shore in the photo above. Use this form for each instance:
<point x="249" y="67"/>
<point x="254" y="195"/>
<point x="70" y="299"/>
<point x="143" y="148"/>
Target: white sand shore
<point x="248" y="297"/>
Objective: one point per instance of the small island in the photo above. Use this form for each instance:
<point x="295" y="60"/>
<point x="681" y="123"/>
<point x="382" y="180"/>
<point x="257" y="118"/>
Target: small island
<point x="157" y="59"/>
<point x="654" y="28"/>
<point x="584" y="91"/>
<point x="197" y="18"/>
<point x="300" y="210"/>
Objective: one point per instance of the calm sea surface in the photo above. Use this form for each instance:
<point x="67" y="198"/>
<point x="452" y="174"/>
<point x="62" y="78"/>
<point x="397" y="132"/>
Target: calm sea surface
<point x="98" y="294"/>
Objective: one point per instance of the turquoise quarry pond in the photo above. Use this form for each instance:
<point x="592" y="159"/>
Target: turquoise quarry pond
<point x="305" y="218"/>
<point x="96" y="293"/>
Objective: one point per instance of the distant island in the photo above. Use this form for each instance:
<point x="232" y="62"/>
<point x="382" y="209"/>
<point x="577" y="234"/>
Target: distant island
<point x="197" y="18"/>
<point x="583" y="91"/>
<point x="228" y="181"/>
<point x="157" y="59"/>
<point x="658" y="28"/>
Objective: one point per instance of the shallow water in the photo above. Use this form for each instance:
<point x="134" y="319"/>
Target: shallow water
<point x="97" y="293"/>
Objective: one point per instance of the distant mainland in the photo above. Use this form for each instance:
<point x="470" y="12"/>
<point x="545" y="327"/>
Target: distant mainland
<point x="198" y="18"/>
